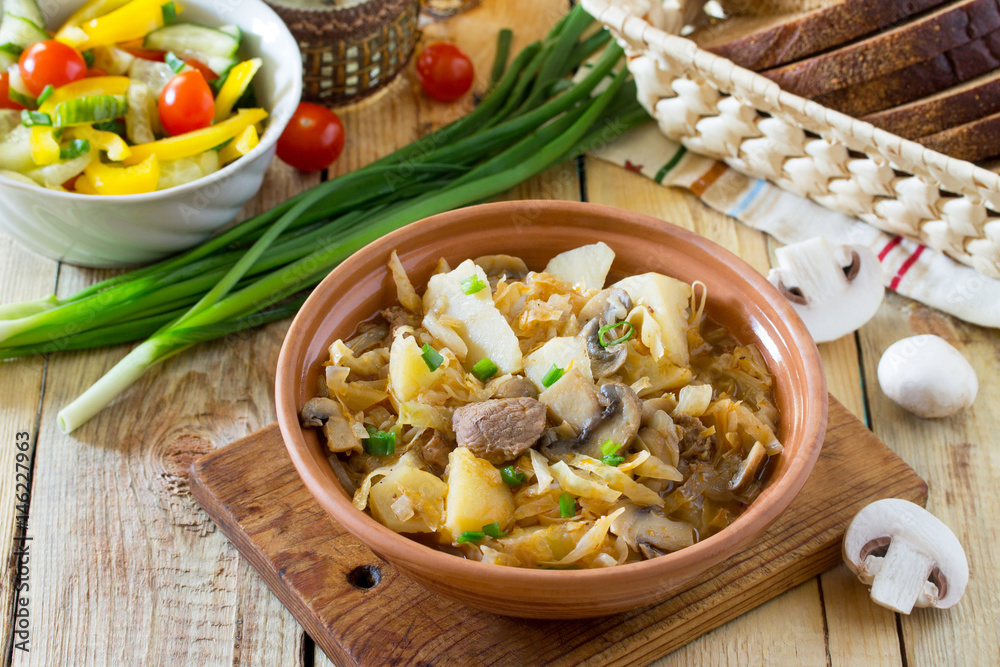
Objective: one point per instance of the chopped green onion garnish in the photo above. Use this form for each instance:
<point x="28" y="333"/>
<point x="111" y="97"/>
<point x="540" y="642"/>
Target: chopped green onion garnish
<point x="493" y="530"/>
<point x="30" y="118"/>
<point x="12" y="48"/>
<point x="169" y="12"/>
<point x="44" y="95"/>
<point x="472" y="284"/>
<point x="612" y="460"/>
<point x="484" y="369"/>
<point x="432" y="357"/>
<point x="379" y="443"/>
<point x="175" y="63"/>
<point x="511" y="476"/>
<point x="471" y="536"/>
<point x="552" y="376"/>
<point x="76" y="148"/>
<point x="608" y="327"/>
<point x="609" y="447"/>
<point x="567" y="506"/>
<point x="88" y="57"/>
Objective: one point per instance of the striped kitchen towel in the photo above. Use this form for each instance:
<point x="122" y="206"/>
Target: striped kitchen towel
<point x="909" y="268"/>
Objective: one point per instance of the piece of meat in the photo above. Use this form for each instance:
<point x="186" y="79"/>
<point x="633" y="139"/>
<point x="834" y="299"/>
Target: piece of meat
<point x="692" y="446"/>
<point x="499" y="429"/>
<point x="397" y="316"/>
<point x="435" y="451"/>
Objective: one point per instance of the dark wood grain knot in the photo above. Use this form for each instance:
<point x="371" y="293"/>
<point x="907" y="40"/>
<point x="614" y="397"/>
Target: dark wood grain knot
<point x="365" y="577"/>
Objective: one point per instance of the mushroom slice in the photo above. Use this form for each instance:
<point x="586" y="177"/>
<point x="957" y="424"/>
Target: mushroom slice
<point x="907" y="556"/>
<point x="336" y="425"/>
<point x="515" y="386"/>
<point x="607" y="307"/>
<point x="835" y="290"/>
<point x="507" y="267"/>
<point x="648" y="530"/>
<point x="619" y="423"/>
<point x="748" y="468"/>
<point x="927" y="376"/>
<point x="317" y="411"/>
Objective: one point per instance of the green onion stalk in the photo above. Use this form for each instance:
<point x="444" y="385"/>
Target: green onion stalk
<point x="259" y="270"/>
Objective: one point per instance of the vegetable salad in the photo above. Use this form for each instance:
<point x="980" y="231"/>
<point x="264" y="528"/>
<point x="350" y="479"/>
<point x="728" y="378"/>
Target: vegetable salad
<point x="544" y="419"/>
<point x="125" y="98"/>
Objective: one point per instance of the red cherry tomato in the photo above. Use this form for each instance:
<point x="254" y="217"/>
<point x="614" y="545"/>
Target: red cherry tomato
<point x="5" y="101"/>
<point x="96" y="71"/>
<point x="145" y="54"/>
<point x="201" y="67"/>
<point x="313" y="139"/>
<point x="186" y="103"/>
<point x="50" y="63"/>
<point x="444" y="71"/>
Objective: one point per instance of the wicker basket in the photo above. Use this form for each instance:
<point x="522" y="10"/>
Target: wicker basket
<point x="350" y="52"/>
<point x="717" y="109"/>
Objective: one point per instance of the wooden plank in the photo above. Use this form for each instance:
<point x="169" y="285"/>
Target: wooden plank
<point x="958" y="458"/>
<point x="612" y="185"/>
<point x="252" y="491"/>
<point x="23" y="276"/>
<point x="139" y="570"/>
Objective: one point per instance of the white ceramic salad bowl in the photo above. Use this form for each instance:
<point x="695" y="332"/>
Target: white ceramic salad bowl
<point x="122" y="230"/>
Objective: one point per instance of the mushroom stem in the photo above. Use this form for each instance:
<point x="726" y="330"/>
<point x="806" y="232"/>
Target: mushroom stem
<point x="902" y="577"/>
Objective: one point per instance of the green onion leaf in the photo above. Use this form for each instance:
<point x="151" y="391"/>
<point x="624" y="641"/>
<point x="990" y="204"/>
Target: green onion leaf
<point x="472" y="284"/>
<point x="484" y="369"/>
<point x="511" y="476"/>
<point x="379" y="443"/>
<point x="609" y="447"/>
<point x="617" y="341"/>
<point x="44" y="95"/>
<point x="175" y="63"/>
<point x="567" y="506"/>
<point x="30" y="118"/>
<point x="471" y="536"/>
<point x="432" y="357"/>
<point x="12" y="48"/>
<point x="552" y="376"/>
<point x="76" y="148"/>
<point x="88" y="57"/>
<point x="493" y="530"/>
<point x="612" y="460"/>
<point x="169" y="12"/>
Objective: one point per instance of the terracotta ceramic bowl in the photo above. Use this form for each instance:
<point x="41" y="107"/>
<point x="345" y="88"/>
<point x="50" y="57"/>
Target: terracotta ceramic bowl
<point x="738" y="297"/>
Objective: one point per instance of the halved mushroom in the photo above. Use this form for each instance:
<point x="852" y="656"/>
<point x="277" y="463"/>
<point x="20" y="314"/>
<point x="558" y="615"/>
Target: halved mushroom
<point x="648" y="531"/>
<point x="907" y="556"/>
<point x="619" y="423"/>
<point x="329" y="414"/>
<point x="835" y="290"/>
<point x="516" y="386"/>
<point x="508" y="267"/>
<point x="927" y="376"/>
<point x="748" y="468"/>
<point x="607" y="307"/>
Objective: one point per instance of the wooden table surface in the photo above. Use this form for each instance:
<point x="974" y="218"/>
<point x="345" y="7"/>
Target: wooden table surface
<point x="124" y="567"/>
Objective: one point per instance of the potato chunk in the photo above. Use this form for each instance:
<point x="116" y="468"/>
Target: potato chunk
<point x="666" y="300"/>
<point x="477" y="495"/>
<point x="408" y="372"/>
<point x="565" y="352"/>
<point x="587" y="265"/>
<point x="409" y="500"/>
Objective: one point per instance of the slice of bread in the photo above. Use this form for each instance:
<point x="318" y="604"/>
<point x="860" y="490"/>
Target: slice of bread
<point x="917" y="81"/>
<point x="952" y="25"/>
<point x="771" y="7"/>
<point x="973" y="141"/>
<point x="949" y="108"/>
<point x="760" y="42"/>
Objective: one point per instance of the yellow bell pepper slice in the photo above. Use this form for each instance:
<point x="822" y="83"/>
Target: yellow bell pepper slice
<point x="44" y="147"/>
<point x="106" y="179"/>
<point x="237" y="80"/>
<point x="239" y="146"/>
<point x="130" y="21"/>
<point x="71" y="33"/>
<point x="96" y="85"/>
<point x="109" y="142"/>
<point x="199" y="141"/>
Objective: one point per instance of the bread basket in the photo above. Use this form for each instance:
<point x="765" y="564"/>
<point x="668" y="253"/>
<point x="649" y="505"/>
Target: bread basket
<point x="723" y="111"/>
<point x="350" y="48"/>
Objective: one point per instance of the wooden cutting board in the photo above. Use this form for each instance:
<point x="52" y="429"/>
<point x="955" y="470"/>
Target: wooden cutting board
<point x="360" y="611"/>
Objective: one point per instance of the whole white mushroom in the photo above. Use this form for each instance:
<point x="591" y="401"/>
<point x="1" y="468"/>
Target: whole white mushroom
<point x="927" y="376"/>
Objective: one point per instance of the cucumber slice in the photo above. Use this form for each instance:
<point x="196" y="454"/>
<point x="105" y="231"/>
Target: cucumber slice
<point x="220" y="66"/>
<point x="60" y="172"/>
<point x="15" y="150"/>
<point x="18" y="33"/>
<point x="6" y="60"/>
<point x="183" y="38"/>
<point x="90" y="109"/>
<point x="233" y="31"/>
<point x="26" y="9"/>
